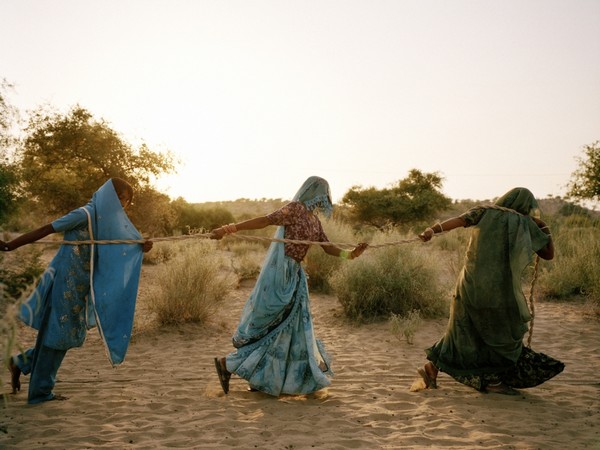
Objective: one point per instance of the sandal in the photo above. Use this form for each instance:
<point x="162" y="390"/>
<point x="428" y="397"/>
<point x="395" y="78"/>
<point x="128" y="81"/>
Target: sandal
<point x="15" y="374"/>
<point x="224" y="375"/>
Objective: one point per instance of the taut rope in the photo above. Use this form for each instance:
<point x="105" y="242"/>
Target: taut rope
<point x="207" y="235"/>
<point x="302" y="242"/>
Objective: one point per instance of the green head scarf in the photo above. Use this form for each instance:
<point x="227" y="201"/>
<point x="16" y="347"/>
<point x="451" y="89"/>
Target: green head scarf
<point x="521" y="200"/>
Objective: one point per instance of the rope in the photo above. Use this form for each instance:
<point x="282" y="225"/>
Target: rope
<point x="254" y="238"/>
<point x="239" y="236"/>
<point x="531" y="300"/>
<point x="303" y="242"/>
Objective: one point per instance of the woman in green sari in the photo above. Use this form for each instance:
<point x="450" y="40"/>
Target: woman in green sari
<point x="483" y="344"/>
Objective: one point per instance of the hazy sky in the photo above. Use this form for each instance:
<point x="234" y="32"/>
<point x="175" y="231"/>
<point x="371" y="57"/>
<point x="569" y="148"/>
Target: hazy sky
<point x="255" y="96"/>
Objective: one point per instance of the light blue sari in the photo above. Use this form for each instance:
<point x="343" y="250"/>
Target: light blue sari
<point x="277" y="352"/>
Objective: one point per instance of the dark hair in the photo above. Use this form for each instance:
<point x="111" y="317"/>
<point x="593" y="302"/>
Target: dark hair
<point x="121" y="187"/>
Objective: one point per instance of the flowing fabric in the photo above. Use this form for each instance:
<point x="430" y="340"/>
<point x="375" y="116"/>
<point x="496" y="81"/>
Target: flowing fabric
<point x="65" y="285"/>
<point x="489" y="314"/>
<point x="277" y="351"/>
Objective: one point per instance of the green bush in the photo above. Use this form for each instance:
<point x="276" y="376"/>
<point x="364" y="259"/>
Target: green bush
<point x="320" y="266"/>
<point x="390" y="280"/>
<point x="575" y="269"/>
<point x="19" y="271"/>
<point x="191" y="285"/>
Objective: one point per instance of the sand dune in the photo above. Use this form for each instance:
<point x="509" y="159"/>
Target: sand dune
<point x="166" y="394"/>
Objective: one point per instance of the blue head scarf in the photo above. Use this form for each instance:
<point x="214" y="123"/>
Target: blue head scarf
<point x="315" y="195"/>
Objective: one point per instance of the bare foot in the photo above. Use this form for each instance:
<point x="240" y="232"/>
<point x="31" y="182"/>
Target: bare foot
<point x="429" y="374"/>
<point x="501" y="388"/>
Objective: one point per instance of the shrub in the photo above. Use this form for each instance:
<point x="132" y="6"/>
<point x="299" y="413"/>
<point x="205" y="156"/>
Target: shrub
<point x="8" y="330"/>
<point x="191" y="285"/>
<point x="320" y="266"/>
<point x="20" y="271"/>
<point x="248" y="258"/>
<point x="575" y="270"/>
<point x="405" y="326"/>
<point x="161" y="253"/>
<point x="390" y="280"/>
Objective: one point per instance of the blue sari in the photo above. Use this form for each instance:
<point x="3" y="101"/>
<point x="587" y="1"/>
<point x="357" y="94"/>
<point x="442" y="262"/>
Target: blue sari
<point x="277" y="351"/>
<point x="62" y="307"/>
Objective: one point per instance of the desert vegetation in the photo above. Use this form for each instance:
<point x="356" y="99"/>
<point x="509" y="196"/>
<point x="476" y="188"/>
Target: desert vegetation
<point x="56" y="161"/>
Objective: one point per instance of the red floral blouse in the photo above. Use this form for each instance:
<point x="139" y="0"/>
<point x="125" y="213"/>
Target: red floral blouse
<point x="300" y="224"/>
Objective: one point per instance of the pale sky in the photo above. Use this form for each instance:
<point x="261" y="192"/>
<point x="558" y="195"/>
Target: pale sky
<point x="255" y="96"/>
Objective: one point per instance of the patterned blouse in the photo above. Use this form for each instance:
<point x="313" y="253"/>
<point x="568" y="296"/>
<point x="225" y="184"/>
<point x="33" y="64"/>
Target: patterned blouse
<point x="300" y="224"/>
<point x="473" y="215"/>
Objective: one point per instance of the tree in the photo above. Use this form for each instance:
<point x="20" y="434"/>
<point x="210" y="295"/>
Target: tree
<point x="152" y="212"/>
<point x="585" y="181"/>
<point x="193" y="218"/>
<point x="8" y="174"/>
<point x="413" y="199"/>
<point x="64" y="159"/>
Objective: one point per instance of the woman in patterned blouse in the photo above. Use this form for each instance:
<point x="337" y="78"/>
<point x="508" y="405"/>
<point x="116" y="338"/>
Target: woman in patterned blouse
<point x="276" y="349"/>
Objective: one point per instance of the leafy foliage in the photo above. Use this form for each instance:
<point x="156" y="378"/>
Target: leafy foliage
<point x="66" y="158"/>
<point x="19" y="274"/>
<point x="8" y="197"/>
<point x="152" y="212"/>
<point x="199" y="217"/>
<point x="8" y="173"/>
<point x="390" y="280"/>
<point x="585" y="181"/>
<point x="413" y="199"/>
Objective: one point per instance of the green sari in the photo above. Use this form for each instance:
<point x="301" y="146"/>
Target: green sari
<point x="489" y="317"/>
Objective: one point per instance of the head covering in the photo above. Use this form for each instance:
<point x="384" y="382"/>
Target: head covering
<point x="315" y="195"/>
<point x="521" y="200"/>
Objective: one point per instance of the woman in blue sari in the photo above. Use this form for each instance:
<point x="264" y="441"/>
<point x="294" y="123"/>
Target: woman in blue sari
<point x="83" y="286"/>
<point x="276" y="348"/>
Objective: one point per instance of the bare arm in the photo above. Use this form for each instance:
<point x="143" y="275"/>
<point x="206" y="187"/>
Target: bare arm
<point x="440" y="227"/>
<point x="27" y="238"/>
<point x="546" y="252"/>
<point x="250" y="224"/>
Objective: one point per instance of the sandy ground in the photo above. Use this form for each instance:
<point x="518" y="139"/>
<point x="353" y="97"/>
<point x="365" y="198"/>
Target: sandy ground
<point x="166" y="394"/>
